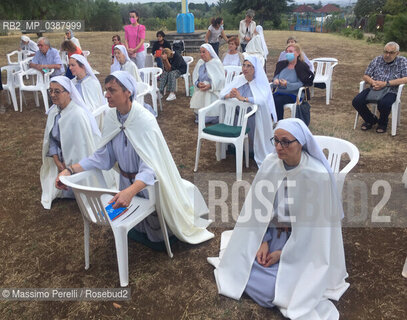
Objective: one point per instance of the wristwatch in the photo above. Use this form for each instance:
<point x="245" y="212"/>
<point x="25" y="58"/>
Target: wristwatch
<point x="387" y="83"/>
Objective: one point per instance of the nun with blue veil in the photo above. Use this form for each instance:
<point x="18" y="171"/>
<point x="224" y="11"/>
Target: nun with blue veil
<point x="286" y="249"/>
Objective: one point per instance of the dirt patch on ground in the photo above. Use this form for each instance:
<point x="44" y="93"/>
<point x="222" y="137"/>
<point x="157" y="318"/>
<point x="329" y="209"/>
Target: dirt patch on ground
<point x="44" y="249"/>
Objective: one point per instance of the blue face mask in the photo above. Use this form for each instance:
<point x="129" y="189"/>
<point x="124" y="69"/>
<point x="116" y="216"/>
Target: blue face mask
<point x="290" y="56"/>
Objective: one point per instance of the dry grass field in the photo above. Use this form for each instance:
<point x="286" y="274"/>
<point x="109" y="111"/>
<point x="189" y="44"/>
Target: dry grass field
<point x="44" y="248"/>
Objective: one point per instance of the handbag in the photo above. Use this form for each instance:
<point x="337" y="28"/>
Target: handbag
<point x="303" y="110"/>
<point x="375" y="95"/>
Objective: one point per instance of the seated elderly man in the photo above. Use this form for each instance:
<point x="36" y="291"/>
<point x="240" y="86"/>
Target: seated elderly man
<point x="384" y="74"/>
<point x="47" y="58"/>
<point x="132" y="138"/>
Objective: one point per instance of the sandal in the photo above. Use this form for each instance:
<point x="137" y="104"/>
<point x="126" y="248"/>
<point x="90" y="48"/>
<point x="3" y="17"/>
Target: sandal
<point x="366" y="126"/>
<point x="381" y="129"/>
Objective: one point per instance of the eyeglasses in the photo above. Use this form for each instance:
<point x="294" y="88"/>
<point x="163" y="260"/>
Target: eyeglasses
<point x="284" y="143"/>
<point x="56" y="91"/>
<point x="389" y="52"/>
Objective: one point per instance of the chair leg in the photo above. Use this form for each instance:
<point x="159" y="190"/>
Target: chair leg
<point x="45" y="98"/>
<point x="186" y="81"/>
<point x="159" y="100"/>
<point x="21" y="101"/>
<point x="356" y="120"/>
<point x="223" y="148"/>
<point x="86" y="234"/>
<point x="218" y="151"/>
<point x="37" y="100"/>
<point x="122" y="251"/>
<point x="12" y="93"/>
<point x="154" y="99"/>
<point x="198" y="150"/>
<point x="246" y="150"/>
<point x="328" y="91"/>
<point x="239" y="156"/>
<point x="394" y="118"/>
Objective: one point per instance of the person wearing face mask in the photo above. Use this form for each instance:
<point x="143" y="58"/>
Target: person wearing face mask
<point x="134" y="35"/>
<point x="293" y="40"/>
<point x="290" y="75"/>
<point x="386" y="71"/>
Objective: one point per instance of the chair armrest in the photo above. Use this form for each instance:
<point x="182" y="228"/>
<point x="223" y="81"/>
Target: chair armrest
<point x="73" y="181"/>
<point x="361" y="86"/>
<point x="399" y="92"/>
<point x="203" y="111"/>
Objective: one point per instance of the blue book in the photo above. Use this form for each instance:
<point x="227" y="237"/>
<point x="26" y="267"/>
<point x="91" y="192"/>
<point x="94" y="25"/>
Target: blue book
<point x="115" y="213"/>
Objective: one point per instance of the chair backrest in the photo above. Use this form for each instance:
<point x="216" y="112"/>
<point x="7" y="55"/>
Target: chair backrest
<point x="336" y="148"/>
<point x="324" y="66"/>
<point x="142" y="90"/>
<point x="150" y="75"/>
<point x="11" y="70"/>
<point x="188" y="60"/>
<point x="229" y="108"/>
<point x="20" y="57"/>
<point x="86" y="53"/>
<point x="37" y="79"/>
<point x="231" y="73"/>
<point x="89" y="198"/>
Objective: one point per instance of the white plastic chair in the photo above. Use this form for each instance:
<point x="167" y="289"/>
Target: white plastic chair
<point x="227" y="113"/>
<point x="231" y="72"/>
<point x="186" y="76"/>
<point x="395" y="109"/>
<point x="21" y="55"/>
<point x="150" y="76"/>
<point x="86" y="53"/>
<point x="92" y="202"/>
<point x="323" y="74"/>
<point x="293" y="106"/>
<point x="146" y="46"/>
<point x="12" y="83"/>
<point x="336" y="148"/>
<point x="40" y="83"/>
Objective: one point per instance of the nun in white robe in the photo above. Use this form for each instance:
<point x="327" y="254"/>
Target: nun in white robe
<point x="311" y="268"/>
<point x="74" y="39"/>
<point x="89" y="87"/>
<point x="257" y="46"/>
<point x="128" y="65"/>
<point x="257" y="91"/>
<point x="210" y="72"/>
<point x="72" y="134"/>
<point x="181" y="202"/>
<point x="28" y="45"/>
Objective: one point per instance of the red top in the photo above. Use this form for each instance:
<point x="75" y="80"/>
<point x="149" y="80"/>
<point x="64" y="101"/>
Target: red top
<point x="77" y="51"/>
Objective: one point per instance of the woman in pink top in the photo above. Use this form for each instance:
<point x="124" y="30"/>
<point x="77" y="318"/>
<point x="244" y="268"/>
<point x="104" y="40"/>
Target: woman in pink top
<point x="135" y="34"/>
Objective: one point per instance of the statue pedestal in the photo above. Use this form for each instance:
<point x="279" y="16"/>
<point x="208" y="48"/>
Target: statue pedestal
<point x="185" y="23"/>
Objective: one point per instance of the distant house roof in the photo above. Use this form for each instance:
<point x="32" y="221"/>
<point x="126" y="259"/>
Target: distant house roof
<point x="304" y="8"/>
<point x="329" y="8"/>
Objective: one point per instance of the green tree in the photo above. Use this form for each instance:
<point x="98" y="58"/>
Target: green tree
<point x="364" y="8"/>
<point x="395" y="6"/>
<point x="264" y="9"/>
<point x="396" y="30"/>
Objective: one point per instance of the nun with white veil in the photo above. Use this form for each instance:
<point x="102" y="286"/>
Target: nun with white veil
<point x="286" y="249"/>
<point x="208" y="79"/>
<point x="70" y="35"/>
<point x="257" y="46"/>
<point x="253" y="86"/>
<point x="71" y="133"/>
<point x="132" y="139"/>
<point x="122" y="62"/>
<point x="28" y="45"/>
<point x="86" y="82"/>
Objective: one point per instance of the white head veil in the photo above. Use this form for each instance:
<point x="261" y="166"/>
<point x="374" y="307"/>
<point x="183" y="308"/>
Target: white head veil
<point x="128" y="81"/>
<point x="261" y="81"/>
<point x="67" y="84"/>
<point x="259" y="30"/>
<point x="25" y="38"/>
<point x="72" y="33"/>
<point x="85" y="62"/>
<point x="116" y="64"/>
<point x="304" y="136"/>
<point x="212" y="52"/>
